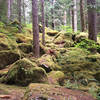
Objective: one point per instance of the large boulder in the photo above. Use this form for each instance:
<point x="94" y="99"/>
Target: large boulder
<point x="56" y="77"/>
<point x="24" y="72"/>
<point x="51" y="32"/>
<point x="52" y="92"/>
<point x="46" y="62"/>
<point x="24" y="47"/>
<point x="4" y="46"/>
<point x="21" y="38"/>
<point x="8" y="57"/>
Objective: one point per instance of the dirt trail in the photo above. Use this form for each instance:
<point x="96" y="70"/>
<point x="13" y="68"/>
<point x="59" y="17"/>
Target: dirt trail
<point x="11" y="92"/>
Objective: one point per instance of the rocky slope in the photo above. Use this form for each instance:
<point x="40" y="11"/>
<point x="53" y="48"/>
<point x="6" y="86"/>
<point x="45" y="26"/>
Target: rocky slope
<point x="67" y="61"/>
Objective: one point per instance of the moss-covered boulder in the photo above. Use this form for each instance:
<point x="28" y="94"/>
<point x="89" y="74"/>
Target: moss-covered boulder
<point x="21" y="38"/>
<point x="63" y="40"/>
<point x="24" y="47"/>
<point x="56" y="77"/>
<point x="4" y="46"/>
<point x="51" y="32"/>
<point x="7" y="41"/>
<point x="46" y="62"/>
<point x="8" y="57"/>
<point x="24" y="72"/>
<point x="97" y="76"/>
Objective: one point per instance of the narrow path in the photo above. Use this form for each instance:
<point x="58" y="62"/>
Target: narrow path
<point x="11" y="92"/>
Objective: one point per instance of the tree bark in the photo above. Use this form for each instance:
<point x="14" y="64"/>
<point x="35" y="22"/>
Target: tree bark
<point x="52" y="12"/>
<point x="43" y="22"/>
<point x="9" y="10"/>
<point x="72" y="19"/>
<point x="65" y="18"/>
<point x="24" y="19"/>
<point x="82" y="15"/>
<point x="19" y="15"/>
<point x="75" y="15"/>
<point x="92" y="19"/>
<point x="36" y="47"/>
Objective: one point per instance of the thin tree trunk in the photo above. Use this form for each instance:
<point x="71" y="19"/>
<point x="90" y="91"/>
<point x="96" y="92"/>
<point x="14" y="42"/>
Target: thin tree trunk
<point x="82" y="15"/>
<point x="75" y="15"/>
<point x="46" y="20"/>
<point x="70" y="14"/>
<point x="9" y="10"/>
<point x="72" y="19"/>
<point x="19" y="15"/>
<point x="43" y="22"/>
<point x="65" y="17"/>
<point x="92" y="19"/>
<point x="36" y="47"/>
<point x="24" y="12"/>
<point x="52" y="12"/>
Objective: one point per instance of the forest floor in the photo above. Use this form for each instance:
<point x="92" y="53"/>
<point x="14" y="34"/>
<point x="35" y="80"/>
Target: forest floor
<point x="8" y="92"/>
<point x="42" y="92"/>
<point x="68" y="67"/>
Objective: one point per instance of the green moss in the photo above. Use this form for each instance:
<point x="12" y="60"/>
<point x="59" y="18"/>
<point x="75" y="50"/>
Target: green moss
<point x="21" y="38"/>
<point x="26" y="48"/>
<point x="56" y="77"/>
<point x="24" y="72"/>
<point x="8" y="57"/>
<point x="47" y="60"/>
<point x="88" y="44"/>
<point x="2" y="24"/>
<point x="7" y="42"/>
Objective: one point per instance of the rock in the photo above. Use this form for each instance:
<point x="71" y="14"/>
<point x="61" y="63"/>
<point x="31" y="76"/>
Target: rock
<point x="43" y="49"/>
<point x="97" y="76"/>
<point x="46" y="62"/>
<point x="21" y="38"/>
<point x="24" y="47"/>
<point x="56" y="77"/>
<point x="54" y="92"/>
<point x="24" y="72"/>
<point x="4" y="46"/>
<point x="4" y="71"/>
<point x="8" y="57"/>
<point x="52" y="32"/>
<point x="63" y="39"/>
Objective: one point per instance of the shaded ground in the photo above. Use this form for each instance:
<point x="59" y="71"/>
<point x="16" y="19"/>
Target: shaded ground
<point x="11" y="92"/>
<point x="50" y="92"/>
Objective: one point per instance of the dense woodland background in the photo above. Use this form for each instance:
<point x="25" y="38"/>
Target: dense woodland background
<point x="47" y="46"/>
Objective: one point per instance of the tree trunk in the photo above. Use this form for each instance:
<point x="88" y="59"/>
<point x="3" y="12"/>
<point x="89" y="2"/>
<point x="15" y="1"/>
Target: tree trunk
<point x="43" y="22"/>
<point x="9" y="10"/>
<point x="46" y="22"/>
<point x="36" y="47"/>
<point x="75" y="15"/>
<point x="65" y="18"/>
<point x="24" y="19"/>
<point x="52" y="12"/>
<point x="19" y="15"/>
<point x="72" y="19"/>
<point x="82" y="15"/>
<point x="92" y="19"/>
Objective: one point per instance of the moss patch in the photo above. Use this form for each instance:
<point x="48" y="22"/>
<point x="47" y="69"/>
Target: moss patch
<point x="24" y="72"/>
<point x="56" y="77"/>
<point x="8" y="57"/>
<point x="46" y="62"/>
<point x="26" y="48"/>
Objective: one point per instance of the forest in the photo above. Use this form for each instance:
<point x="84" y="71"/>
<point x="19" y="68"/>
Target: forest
<point x="49" y="49"/>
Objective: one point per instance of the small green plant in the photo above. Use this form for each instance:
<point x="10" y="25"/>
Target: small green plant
<point x="98" y="94"/>
<point x="93" y="92"/>
<point x="2" y="24"/>
<point x="72" y="85"/>
<point x="68" y="29"/>
<point x="88" y="44"/>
